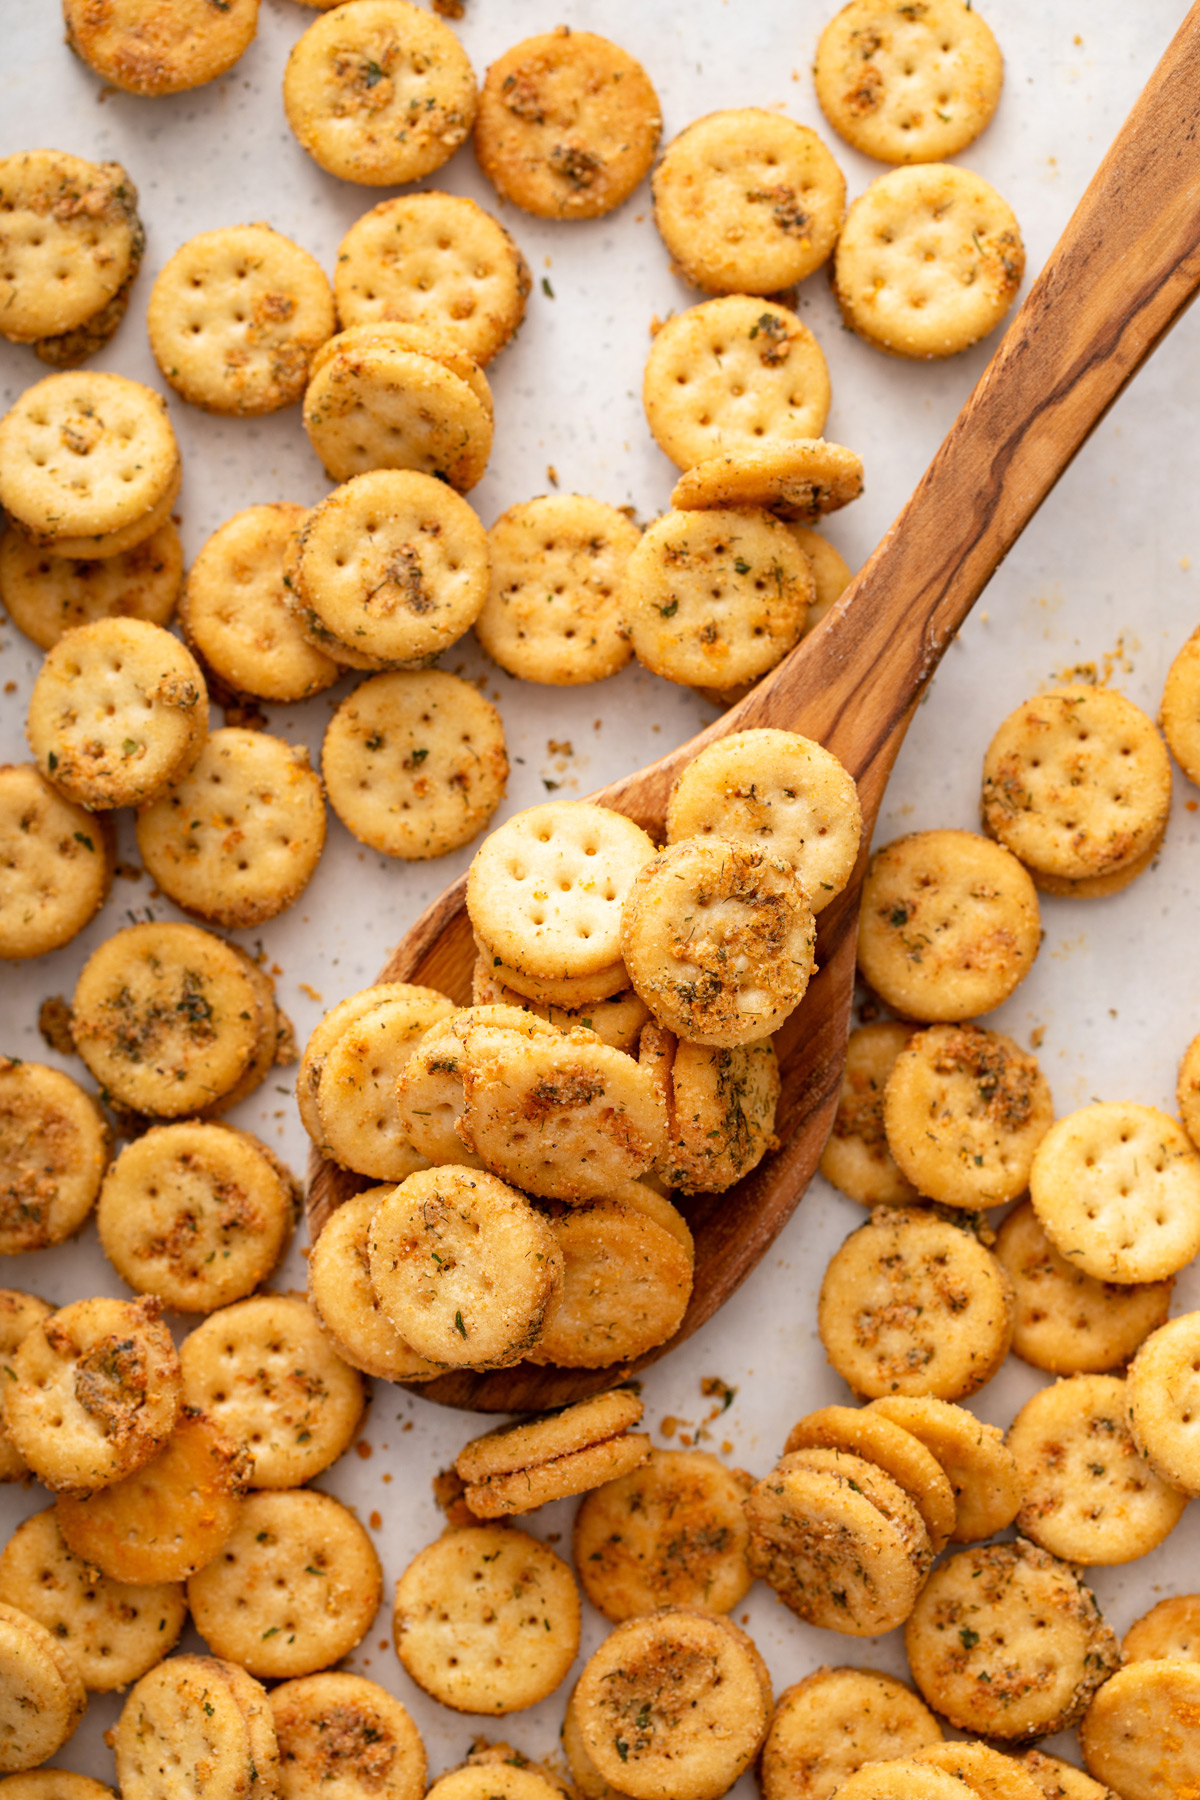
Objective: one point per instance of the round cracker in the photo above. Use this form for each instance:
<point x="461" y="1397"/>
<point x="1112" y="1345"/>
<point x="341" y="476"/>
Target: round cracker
<point x="415" y="763"/>
<point x="341" y="1295"/>
<point x="889" y="1447"/>
<point x="55" y="1145"/>
<point x="948" y="925"/>
<point x="748" y="202"/>
<point x="196" y="1726"/>
<point x="801" y="480"/>
<point x="834" y="1721"/>
<point x="908" y="84"/>
<point x="342" y="1737"/>
<point x="728" y="375"/>
<point x="1140" y="1734"/>
<point x="928" y="262"/>
<point x="568" y="124"/>
<point x="235" y="317"/>
<point x="42" y="1696"/>
<point x="1171" y="1628"/>
<point x="265" y="1373"/>
<point x="1164" y="1402"/>
<point x="487" y="1620"/>
<point x="383" y="407"/>
<point x="382" y="96"/>
<point x="160" y="49"/>
<point x="294" y="1589"/>
<point x="434" y="259"/>
<point x="46" y="594"/>
<point x="626" y="1285"/>
<point x="72" y="242"/>
<point x="980" y="1467"/>
<point x="856" y="1157"/>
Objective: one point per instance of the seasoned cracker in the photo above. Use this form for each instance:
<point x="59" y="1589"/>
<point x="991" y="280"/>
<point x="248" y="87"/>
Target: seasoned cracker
<point x="834" y="1721"/>
<point x="361" y="1126"/>
<point x="171" y="1516"/>
<point x="908" y="84"/>
<point x="1077" y="783"/>
<point x="1007" y="1642"/>
<point x="235" y="612"/>
<point x="112" y="1631"/>
<point x="196" y="1727"/>
<point x="393" y="562"/>
<point x="1164" y="1402"/>
<point x="748" y="202"/>
<point x="1171" y="1628"/>
<point x="164" y="47"/>
<point x="1068" y="1323"/>
<point x="779" y="791"/>
<point x="434" y="259"/>
<point x="839" y="1540"/>
<point x="978" y="1464"/>
<point x="342" y="1735"/>
<point x="195" y="1213"/>
<point x="563" y="1116"/>
<point x="487" y="1619"/>
<point x="856" y="1157"/>
<point x="95" y="1392"/>
<point x="929" y="261"/>
<point x="721" y="1114"/>
<point x="119" y="711"/>
<point x="674" y="1707"/>
<point x="42" y="1696"/>
<point x="58" y="865"/>
<point x="861" y="1432"/>
<point x="341" y="1295"/>
<point x="989" y="1774"/>
<point x="382" y="96"/>
<point x="531" y="1442"/>
<point x="554" y="609"/>
<point x="1116" y="1187"/>
<point x="71" y="241"/>
<point x="235" y="317"/>
<point x="948" y="925"/>
<point x="100" y="546"/>
<point x="544" y="891"/>
<point x="84" y="454"/>
<point x="626" y="1285"/>
<point x="429" y="1090"/>
<point x="415" y="763"/>
<point x="577" y="1472"/>
<point x="964" y="1111"/>
<point x="1140" y="1734"/>
<point x="265" y="1373"/>
<point x="326" y="1034"/>
<point x="464" y="1267"/>
<point x="671" y="1533"/>
<point x="1089" y="1496"/>
<point x="46" y="594"/>
<point x="522" y="1466"/>
<point x="797" y="481"/>
<point x="1180" y="713"/>
<point x="715" y="598"/>
<point x="718" y="940"/>
<point x="617" y="1021"/>
<point x="167" y="1018"/>
<point x="383" y="407"/>
<point x="294" y="1589"/>
<point x="238" y="839"/>
<point x="912" y="1304"/>
<point x="731" y="374"/>
<point x="19" y="1313"/>
<point x="568" y="124"/>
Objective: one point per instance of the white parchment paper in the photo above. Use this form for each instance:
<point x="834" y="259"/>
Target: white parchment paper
<point x="1103" y="576"/>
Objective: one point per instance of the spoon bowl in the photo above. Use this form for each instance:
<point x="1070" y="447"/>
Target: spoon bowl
<point x="1125" y="268"/>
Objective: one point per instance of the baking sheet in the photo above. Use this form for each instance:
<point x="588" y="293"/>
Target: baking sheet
<point x="1102" y="577"/>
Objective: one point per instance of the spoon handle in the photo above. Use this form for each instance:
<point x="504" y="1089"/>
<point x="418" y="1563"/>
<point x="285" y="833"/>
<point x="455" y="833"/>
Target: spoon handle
<point x="1123" y="271"/>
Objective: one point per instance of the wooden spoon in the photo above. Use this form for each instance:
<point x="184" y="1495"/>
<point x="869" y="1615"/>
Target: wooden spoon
<point x="1123" y="271"/>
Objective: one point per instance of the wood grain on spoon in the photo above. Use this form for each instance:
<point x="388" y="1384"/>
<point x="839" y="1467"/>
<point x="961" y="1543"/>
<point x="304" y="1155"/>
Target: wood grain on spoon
<point x="1123" y="271"/>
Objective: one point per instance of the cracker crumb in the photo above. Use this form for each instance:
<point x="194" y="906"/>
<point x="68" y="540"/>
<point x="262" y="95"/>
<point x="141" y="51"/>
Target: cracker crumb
<point x="1037" y="1037"/>
<point x="560" y="747"/>
<point x="128" y="871"/>
<point x="1185" y="562"/>
<point x="445" y="9"/>
<point x="10" y="687"/>
<point x="310" y="993"/>
<point x="364" y="1449"/>
<point x="54" y="1023"/>
<point x="669" y="1425"/>
<point x="552" y="474"/>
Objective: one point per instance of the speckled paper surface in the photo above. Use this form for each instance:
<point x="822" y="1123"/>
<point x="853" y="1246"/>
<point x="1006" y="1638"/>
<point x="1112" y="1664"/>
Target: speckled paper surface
<point x="1103" y="576"/>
